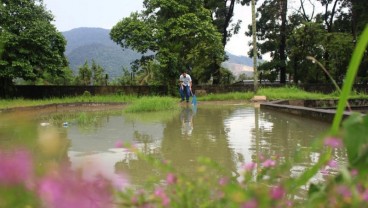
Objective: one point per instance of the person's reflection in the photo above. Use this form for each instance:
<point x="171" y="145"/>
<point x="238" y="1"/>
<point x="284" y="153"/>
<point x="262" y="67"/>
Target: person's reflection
<point x="186" y="118"/>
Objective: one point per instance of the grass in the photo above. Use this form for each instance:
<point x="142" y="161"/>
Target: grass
<point x="152" y="104"/>
<point x="156" y="103"/>
<point x="293" y="93"/>
<point x="20" y="102"/>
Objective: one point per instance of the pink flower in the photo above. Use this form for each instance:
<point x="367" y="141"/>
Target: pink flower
<point x="16" y="167"/>
<point x="223" y="181"/>
<point x="171" y="178"/>
<point x="365" y="195"/>
<point x="250" y="204"/>
<point x="344" y="191"/>
<point x="289" y="203"/>
<point x="269" y="163"/>
<point x="333" y="142"/>
<point x="119" y="144"/>
<point x="324" y="171"/>
<point x="160" y="193"/>
<point x="332" y="164"/>
<point x="354" y="172"/>
<point x="120" y="181"/>
<point x="277" y="192"/>
<point x="250" y="166"/>
<point x="66" y="189"/>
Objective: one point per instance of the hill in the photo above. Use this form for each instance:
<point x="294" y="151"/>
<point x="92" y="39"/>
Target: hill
<point x="85" y="44"/>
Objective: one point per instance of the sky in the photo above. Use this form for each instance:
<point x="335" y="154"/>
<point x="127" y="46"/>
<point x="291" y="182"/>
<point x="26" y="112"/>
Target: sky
<point x="70" y="14"/>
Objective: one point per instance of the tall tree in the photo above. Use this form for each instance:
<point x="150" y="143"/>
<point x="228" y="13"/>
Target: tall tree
<point x="306" y="40"/>
<point x="272" y="32"/>
<point x="255" y="51"/>
<point x="179" y="32"/>
<point x="222" y="13"/>
<point x="32" y="45"/>
<point x="98" y="74"/>
<point x="84" y="75"/>
<point x="329" y="13"/>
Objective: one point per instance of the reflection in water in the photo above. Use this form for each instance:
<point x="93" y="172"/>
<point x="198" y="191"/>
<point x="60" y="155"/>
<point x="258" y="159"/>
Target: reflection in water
<point x="186" y="117"/>
<point x="229" y="135"/>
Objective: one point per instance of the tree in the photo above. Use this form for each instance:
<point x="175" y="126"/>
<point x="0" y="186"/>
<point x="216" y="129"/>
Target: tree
<point x="272" y="32"/>
<point x="255" y="51"/>
<point x="98" y="74"/>
<point x="356" y="19"/>
<point x="180" y="33"/>
<point x="306" y="40"/>
<point x="222" y="13"/>
<point x="84" y="75"/>
<point x="126" y="78"/>
<point x="32" y="45"/>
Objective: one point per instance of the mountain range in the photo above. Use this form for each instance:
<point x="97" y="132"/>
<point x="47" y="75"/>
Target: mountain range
<point x="87" y="44"/>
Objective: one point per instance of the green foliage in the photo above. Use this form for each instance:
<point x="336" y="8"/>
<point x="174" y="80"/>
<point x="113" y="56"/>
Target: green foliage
<point x="291" y="92"/>
<point x="86" y="94"/>
<point x="94" y="75"/>
<point x="20" y="102"/>
<point x="98" y="74"/>
<point x="126" y="78"/>
<point x="149" y="104"/>
<point x="226" y="96"/>
<point x="306" y="41"/>
<point x="328" y="36"/>
<point x="66" y="77"/>
<point x="263" y="182"/>
<point x="357" y="148"/>
<point x="340" y="48"/>
<point x="84" y="75"/>
<point x="272" y="30"/>
<point x="181" y="33"/>
<point x="32" y="44"/>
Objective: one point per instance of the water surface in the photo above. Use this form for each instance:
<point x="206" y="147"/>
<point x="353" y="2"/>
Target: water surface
<point x="227" y="134"/>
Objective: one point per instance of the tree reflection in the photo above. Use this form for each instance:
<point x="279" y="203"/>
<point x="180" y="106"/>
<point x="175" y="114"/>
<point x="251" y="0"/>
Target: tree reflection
<point x="208" y="139"/>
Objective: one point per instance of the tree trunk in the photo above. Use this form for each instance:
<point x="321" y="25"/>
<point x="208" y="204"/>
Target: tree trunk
<point x="255" y="53"/>
<point x="282" y="46"/>
<point x="6" y="87"/>
<point x="216" y="73"/>
<point x="228" y="15"/>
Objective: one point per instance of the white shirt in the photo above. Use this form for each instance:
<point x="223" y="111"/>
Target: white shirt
<point x="186" y="80"/>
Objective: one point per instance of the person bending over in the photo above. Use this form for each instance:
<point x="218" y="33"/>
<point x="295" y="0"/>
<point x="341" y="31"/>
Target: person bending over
<point x="185" y="86"/>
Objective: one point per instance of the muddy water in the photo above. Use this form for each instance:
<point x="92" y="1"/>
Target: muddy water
<point x="227" y="134"/>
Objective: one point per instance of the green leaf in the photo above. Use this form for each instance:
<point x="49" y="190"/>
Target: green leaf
<point x="349" y="80"/>
<point x="356" y="141"/>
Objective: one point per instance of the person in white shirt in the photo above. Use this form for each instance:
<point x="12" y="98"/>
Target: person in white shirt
<point x="185" y="86"/>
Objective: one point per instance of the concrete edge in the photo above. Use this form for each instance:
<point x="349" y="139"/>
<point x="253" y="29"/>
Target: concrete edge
<point x="320" y="114"/>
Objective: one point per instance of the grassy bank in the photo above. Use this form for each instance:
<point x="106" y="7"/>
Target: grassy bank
<point x="156" y="103"/>
<point x="291" y="93"/>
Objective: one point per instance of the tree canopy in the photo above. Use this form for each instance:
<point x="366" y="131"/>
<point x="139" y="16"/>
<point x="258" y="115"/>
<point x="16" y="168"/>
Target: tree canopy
<point x="32" y="44"/>
<point x="328" y="36"/>
<point x="180" y="33"/>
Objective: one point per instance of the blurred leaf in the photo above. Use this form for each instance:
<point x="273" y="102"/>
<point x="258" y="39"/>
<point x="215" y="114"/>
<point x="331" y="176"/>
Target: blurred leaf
<point x="356" y="141"/>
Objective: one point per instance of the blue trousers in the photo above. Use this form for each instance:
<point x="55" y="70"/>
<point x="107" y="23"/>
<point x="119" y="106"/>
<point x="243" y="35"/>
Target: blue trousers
<point x="184" y="92"/>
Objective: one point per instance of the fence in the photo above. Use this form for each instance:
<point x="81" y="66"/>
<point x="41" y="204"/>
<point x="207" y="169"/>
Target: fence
<point x="36" y="92"/>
